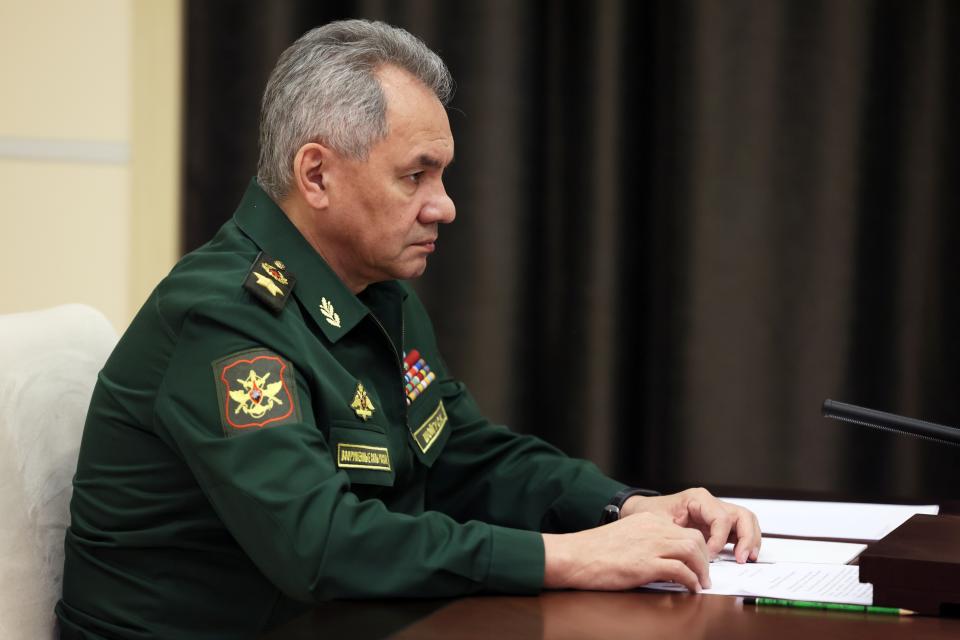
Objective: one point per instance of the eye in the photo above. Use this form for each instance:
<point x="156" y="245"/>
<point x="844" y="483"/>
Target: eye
<point x="414" y="177"/>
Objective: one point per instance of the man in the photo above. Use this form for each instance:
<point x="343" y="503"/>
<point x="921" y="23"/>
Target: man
<point x="277" y="425"/>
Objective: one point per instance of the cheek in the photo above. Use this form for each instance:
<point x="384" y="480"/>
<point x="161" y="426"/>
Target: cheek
<point x="405" y="219"/>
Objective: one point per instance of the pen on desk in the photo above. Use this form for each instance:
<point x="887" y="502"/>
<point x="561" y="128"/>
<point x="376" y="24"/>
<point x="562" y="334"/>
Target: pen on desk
<point x="829" y="606"/>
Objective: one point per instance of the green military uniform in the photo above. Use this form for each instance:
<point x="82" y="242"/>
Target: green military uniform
<point x="251" y="447"/>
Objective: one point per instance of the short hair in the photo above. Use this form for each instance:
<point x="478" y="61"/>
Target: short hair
<point x="323" y="89"/>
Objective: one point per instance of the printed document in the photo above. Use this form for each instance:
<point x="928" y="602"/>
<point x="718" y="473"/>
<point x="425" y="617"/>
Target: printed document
<point x="843" y="520"/>
<point x="790" y="581"/>
<point x="807" y="551"/>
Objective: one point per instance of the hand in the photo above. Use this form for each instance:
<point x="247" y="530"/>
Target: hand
<point x="720" y="522"/>
<point x="628" y="553"/>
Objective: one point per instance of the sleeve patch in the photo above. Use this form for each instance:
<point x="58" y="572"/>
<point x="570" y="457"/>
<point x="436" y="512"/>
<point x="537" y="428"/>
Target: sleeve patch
<point x="255" y="389"/>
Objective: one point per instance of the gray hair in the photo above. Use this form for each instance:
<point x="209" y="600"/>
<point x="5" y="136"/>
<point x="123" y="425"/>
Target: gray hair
<point x="323" y="89"/>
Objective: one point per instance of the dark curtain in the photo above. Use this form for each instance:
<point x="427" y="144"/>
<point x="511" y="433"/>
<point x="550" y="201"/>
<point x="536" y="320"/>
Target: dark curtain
<point x="681" y="225"/>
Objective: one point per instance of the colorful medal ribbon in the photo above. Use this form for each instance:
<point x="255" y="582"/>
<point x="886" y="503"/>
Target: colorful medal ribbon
<point x="417" y="375"/>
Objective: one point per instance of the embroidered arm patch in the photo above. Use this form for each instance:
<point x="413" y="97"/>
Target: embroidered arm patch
<point x="255" y="389"/>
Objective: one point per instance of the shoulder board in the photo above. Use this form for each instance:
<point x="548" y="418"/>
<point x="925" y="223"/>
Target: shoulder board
<point x="270" y="282"/>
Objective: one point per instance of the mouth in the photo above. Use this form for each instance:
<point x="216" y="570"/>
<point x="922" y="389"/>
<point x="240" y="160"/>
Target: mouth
<point x="428" y="245"/>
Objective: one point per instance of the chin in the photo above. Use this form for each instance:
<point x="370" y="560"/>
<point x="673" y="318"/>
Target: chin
<point x="411" y="271"/>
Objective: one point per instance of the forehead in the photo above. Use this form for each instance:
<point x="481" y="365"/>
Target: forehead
<point x="416" y="121"/>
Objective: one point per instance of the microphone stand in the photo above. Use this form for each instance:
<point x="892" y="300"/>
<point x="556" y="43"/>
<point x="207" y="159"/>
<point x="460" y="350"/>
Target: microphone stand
<point x="891" y="422"/>
<point x="917" y="565"/>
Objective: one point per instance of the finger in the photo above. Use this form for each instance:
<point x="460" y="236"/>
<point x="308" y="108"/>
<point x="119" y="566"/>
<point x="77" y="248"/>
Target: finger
<point x="696" y="536"/>
<point x="692" y="554"/>
<point x="677" y="571"/>
<point x="755" y="552"/>
<point x="748" y="536"/>
<point x="712" y="514"/>
<point x="743" y="550"/>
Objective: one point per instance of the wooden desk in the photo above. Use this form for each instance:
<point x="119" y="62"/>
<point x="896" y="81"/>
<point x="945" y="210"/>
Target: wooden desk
<point x="572" y="615"/>
<point x="576" y="615"/>
<point x="606" y="616"/>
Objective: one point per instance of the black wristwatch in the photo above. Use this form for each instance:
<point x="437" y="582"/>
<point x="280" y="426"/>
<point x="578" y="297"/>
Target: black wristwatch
<point x="611" y="512"/>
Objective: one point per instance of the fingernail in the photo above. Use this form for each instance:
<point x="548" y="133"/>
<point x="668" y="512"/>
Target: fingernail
<point x="707" y="584"/>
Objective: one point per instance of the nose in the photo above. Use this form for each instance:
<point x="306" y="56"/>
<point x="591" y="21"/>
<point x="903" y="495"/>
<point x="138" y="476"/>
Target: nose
<point x="438" y="209"/>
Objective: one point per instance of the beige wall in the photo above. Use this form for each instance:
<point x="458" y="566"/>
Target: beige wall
<point x="89" y="151"/>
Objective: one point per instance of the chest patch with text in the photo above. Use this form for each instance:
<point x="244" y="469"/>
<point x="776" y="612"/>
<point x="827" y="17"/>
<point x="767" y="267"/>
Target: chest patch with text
<point x="428" y="432"/>
<point x="255" y="389"/>
<point x="362" y="456"/>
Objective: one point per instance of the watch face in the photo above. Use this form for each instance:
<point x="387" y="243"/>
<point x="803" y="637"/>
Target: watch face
<point x="611" y="513"/>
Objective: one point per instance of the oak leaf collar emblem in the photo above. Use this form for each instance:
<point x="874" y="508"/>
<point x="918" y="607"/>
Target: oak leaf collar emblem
<point x="326" y="308"/>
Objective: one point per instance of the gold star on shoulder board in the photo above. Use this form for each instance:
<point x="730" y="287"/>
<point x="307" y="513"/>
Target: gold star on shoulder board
<point x="268" y="284"/>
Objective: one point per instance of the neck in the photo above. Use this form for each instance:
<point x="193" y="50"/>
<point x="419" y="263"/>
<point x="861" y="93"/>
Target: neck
<point x="304" y="219"/>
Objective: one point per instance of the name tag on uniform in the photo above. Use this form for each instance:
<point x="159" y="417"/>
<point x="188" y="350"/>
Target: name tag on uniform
<point x="361" y="456"/>
<point x="431" y="428"/>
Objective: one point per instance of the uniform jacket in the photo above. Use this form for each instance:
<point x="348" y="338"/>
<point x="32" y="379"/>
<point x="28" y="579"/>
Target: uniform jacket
<point x="255" y="443"/>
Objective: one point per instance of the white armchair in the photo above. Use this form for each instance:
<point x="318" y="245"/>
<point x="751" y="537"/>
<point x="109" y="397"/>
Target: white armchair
<point x="48" y="365"/>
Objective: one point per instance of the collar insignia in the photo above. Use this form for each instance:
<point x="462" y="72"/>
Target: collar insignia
<point x="362" y="405"/>
<point x="326" y="308"/>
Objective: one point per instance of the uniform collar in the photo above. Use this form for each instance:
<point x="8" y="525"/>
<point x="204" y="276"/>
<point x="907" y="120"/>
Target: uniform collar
<point x="321" y="292"/>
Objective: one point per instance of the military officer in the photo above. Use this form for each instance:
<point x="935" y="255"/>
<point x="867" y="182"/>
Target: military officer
<point x="277" y="425"/>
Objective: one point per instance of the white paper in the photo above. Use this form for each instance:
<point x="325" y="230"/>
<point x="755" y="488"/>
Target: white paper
<point x="808" y="551"/>
<point x="790" y="581"/>
<point x="843" y="520"/>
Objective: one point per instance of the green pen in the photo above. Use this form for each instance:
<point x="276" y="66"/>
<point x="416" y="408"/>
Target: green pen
<point x="829" y="606"/>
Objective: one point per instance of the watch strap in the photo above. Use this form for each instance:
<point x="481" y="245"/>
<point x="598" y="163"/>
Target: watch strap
<point x="611" y="512"/>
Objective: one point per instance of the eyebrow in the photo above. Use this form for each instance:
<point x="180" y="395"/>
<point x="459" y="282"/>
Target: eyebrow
<point x="426" y="160"/>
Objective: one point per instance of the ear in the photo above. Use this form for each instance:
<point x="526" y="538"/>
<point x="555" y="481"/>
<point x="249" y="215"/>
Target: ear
<point x="309" y="168"/>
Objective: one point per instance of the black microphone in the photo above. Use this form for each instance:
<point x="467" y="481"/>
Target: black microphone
<point x="891" y="422"/>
